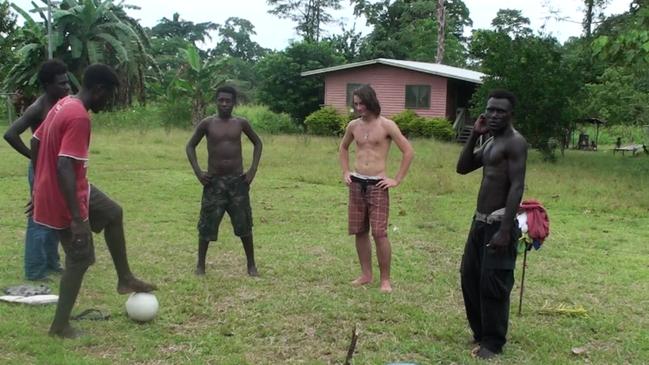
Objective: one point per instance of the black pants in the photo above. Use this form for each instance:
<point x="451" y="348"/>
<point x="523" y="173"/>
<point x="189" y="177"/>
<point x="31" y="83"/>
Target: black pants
<point x="487" y="281"/>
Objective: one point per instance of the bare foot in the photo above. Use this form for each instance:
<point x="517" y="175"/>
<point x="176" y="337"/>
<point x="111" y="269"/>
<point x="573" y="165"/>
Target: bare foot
<point x="252" y="271"/>
<point x="134" y="285"/>
<point x="483" y="353"/>
<point x="200" y="271"/>
<point x="362" y="280"/>
<point x="386" y="287"/>
<point x="66" y="332"/>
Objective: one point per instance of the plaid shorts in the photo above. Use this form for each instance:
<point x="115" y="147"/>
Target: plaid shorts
<point x="369" y="206"/>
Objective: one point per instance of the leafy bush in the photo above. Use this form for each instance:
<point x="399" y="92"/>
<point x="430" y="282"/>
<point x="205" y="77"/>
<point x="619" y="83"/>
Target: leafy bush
<point x="442" y="129"/>
<point x="265" y="120"/>
<point x="412" y="125"/>
<point x="404" y="120"/>
<point x="325" y="122"/>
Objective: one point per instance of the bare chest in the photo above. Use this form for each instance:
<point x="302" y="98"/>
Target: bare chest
<point x="365" y="136"/>
<point x="219" y="131"/>
<point x="495" y="155"/>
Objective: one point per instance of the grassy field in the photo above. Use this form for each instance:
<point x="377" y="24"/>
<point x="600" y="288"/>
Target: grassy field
<point x="302" y="308"/>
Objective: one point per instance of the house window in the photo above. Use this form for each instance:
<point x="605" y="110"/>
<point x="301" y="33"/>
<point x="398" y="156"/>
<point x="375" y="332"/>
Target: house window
<point x="418" y="96"/>
<point x="350" y="96"/>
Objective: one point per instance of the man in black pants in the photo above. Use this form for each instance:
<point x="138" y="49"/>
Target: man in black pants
<point x="490" y="254"/>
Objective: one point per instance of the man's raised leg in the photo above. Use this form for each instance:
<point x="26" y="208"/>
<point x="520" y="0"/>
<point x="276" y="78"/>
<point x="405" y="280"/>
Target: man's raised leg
<point x="114" y="235"/>
<point x="364" y="250"/>
<point x="384" y="256"/>
<point x="250" y="254"/>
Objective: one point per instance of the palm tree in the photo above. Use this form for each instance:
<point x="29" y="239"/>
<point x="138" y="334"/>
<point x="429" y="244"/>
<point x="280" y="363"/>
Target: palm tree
<point x="84" y="32"/>
<point x="101" y="31"/>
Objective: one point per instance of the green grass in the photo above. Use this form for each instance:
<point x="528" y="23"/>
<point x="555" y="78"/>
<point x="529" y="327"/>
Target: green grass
<point x="302" y="308"/>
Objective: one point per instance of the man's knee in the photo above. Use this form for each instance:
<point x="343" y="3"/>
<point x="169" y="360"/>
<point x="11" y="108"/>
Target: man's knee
<point x="79" y="263"/>
<point x="380" y="236"/>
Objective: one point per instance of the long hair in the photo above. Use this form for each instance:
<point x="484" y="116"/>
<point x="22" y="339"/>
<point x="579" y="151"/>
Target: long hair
<point x="369" y="99"/>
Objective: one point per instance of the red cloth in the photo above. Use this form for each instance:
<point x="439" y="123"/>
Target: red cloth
<point x="64" y="132"/>
<point x="538" y="223"/>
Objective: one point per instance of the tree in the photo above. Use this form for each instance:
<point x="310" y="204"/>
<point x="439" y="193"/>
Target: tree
<point x="178" y="28"/>
<point x="169" y="40"/>
<point x="533" y="68"/>
<point x="407" y="29"/>
<point x="511" y="22"/>
<point x="84" y="32"/>
<point x="347" y="44"/>
<point x="310" y="15"/>
<point x="235" y="41"/>
<point x="283" y="89"/>
<point x="30" y="42"/>
<point x="592" y="7"/>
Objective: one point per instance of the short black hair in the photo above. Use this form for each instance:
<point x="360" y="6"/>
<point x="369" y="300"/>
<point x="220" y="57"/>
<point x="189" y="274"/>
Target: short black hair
<point x="49" y="70"/>
<point x="503" y="94"/>
<point x="368" y="97"/>
<point x="100" y="74"/>
<point x="228" y="90"/>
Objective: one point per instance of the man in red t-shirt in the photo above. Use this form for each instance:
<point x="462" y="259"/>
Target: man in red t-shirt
<point x="63" y="199"/>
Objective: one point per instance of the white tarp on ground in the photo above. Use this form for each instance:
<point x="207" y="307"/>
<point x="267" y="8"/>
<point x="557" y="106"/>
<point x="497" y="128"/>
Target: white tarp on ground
<point x="33" y="299"/>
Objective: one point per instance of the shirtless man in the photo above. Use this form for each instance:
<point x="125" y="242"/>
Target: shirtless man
<point x="487" y="269"/>
<point x="225" y="185"/>
<point x="369" y="184"/>
<point x="64" y="200"/>
<point x="41" y="243"/>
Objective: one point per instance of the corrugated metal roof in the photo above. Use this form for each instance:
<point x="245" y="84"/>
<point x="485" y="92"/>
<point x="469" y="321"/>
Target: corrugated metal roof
<point x="425" y="67"/>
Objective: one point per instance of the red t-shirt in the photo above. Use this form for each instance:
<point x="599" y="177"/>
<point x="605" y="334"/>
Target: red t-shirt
<point x="64" y="132"/>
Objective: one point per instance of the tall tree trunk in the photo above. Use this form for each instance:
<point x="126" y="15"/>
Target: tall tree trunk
<point x="441" y="31"/>
<point x="588" y="20"/>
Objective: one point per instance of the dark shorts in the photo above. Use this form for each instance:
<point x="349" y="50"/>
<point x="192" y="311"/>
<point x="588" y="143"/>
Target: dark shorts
<point x="369" y="206"/>
<point x="225" y="194"/>
<point x="102" y="211"/>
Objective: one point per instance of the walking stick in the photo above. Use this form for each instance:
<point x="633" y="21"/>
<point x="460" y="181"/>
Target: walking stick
<point x="520" y="300"/>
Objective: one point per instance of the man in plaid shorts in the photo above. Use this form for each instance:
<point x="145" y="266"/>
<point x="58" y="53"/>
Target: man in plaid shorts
<point x="369" y="202"/>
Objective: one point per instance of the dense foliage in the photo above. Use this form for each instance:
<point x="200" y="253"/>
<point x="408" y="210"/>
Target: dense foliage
<point x="600" y="74"/>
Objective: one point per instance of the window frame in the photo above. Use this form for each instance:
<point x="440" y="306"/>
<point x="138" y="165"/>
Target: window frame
<point x="417" y="92"/>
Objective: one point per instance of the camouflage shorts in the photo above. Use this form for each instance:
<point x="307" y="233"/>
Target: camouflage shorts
<point x="225" y="194"/>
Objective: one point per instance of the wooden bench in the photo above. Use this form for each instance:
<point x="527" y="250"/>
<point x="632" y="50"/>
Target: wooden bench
<point x="631" y="148"/>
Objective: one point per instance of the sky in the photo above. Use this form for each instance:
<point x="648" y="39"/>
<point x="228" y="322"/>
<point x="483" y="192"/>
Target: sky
<point x="276" y="33"/>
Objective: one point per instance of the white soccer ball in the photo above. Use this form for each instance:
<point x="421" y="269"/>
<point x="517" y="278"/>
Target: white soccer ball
<point x="142" y="307"/>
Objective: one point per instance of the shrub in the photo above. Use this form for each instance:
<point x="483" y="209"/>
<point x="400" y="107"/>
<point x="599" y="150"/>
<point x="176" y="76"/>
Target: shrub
<point x="265" y="120"/>
<point x="412" y="125"/>
<point x="325" y="122"/>
<point x="441" y="129"/>
<point x="404" y="120"/>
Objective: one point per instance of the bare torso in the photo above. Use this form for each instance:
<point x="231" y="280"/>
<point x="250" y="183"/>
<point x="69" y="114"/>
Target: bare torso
<point x="372" y="146"/>
<point x="224" y="146"/>
<point x="495" y="174"/>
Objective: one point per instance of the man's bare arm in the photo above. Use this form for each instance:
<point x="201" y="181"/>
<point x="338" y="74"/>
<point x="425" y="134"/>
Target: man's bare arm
<point x="343" y="153"/>
<point x="35" y="145"/>
<point x="256" y="153"/>
<point x="470" y="160"/>
<point x="31" y="117"/>
<point x="407" y="153"/>
<point x="190" y="150"/>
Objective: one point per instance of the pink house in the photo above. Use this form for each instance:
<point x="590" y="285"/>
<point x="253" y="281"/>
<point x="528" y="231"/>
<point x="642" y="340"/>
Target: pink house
<point x="430" y="89"/>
